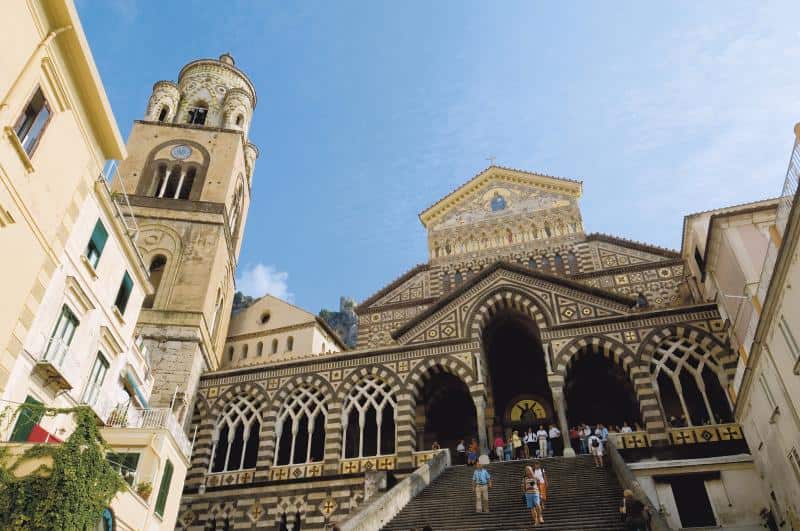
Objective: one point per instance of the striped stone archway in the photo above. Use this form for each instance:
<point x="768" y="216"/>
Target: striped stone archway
<point x="266" y="453"/>
<point x="506" y="298"/>
<point x="625" y="358"/>
<point x="427" y="369"/>
<point x="722" y="353"/>
<point x="334" y="435"/>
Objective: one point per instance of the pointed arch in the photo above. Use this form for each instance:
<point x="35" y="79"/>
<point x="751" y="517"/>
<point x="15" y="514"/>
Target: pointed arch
<point x="236" y="434"/>
<point x="506" y="298"/>
<point x="369" y="417"/>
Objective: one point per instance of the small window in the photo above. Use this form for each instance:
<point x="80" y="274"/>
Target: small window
<point x="163" y="489"/>
<point x="61" y="337"/>
<point x="230" y="353"/>
<point x="197" y="115"/>
<point x="96" y="378"/>
<point x="157" y="266"/>
<point x="96" y="243"/>
<point x="126" y="464"/>
<point x="31" y="124"/>
<point x="163" y="114"/>
<point x="265" y="318"/>
<point x="124" y="293"/>
<point x="274" y="346"/>
<point x="239" y="120"/>
<point x="290" y="343"/>
<point x="244" y="351"/>
<point x="259" y="349"/>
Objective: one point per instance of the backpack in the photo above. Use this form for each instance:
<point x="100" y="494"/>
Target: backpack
<point x="595" y="443"/>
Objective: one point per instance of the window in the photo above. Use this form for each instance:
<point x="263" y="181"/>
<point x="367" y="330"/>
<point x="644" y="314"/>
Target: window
<point x="175" y="182"/>
<point x="265" y="317"/>
<point x="690" y="381"/>
<point x="239" y="120"/>
<point x="96" y="378"/>
<point x="124" y="293"/>
<point x="274" y="346"/>
<point x="27" y="419"/>
<point x="789" y="338"/>
<point x="96" y="243"/>
<point x="290" y="343"/>
<point x="61" y="337"/>
<point x="559" y="263"/>
<point x="126" y="464"/>
<point x="230" y="353"/>
<point x="236" y="436"/>
<point x="244" y="352"/>
<point x="369" y="419"/>
<point x="197" y="115"/>
<point x="157" y="266"/>
<point x="163" y="114"/>
<point x="31" y="124"/>
<point x="259" y="349"/>
<point x="163" y="488"/>
<point x="300" y="428"/>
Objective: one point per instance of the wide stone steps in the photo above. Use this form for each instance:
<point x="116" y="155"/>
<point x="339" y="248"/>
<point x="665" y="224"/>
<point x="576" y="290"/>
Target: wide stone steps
<point x="580" y="496"/>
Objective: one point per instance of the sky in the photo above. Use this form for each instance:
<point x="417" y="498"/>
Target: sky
<point x="370" y="111"/>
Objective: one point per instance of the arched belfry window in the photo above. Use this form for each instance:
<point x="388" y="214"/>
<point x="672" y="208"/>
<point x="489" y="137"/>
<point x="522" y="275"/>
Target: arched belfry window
<point x="689" y="382"/>
<point x="236" y="208"/>
<point x="369" y="417"/>
<point x="174" y="181"/>
<point x="300" y="428"/>
<point x="197" y="114"/>
<point x="157" y="267"/>
<point x="162" y="115"/>
<point x="236" y="436"/>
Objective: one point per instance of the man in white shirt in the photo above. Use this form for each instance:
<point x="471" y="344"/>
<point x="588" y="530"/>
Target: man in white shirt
<point x="555" y="440"/>
<point x="596" y="449"/>
<point x="626" y="428"/>
<point x="541" y="437"/>
<point x="586" y="432"/>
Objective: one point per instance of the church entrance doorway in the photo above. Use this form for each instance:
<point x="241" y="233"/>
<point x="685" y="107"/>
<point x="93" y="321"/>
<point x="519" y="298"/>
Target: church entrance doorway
<point x="598" y="391"/>
<point x="520" y="393"/>
<point x="446" y="412"/>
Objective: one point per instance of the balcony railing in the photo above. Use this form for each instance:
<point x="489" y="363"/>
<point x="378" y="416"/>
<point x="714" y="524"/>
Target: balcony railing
<point x="161" y="418"/>
<point x="102" y="406"/>
<point x="55" y="365"/>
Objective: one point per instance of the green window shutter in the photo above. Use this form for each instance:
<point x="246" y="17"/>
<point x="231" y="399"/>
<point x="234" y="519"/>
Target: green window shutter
<point x="26" y="420"/>
<point x="124" y="293"/>
<point x="163" y="489"/>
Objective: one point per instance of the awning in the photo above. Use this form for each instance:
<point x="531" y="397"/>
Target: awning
<point x="130" y="380"/>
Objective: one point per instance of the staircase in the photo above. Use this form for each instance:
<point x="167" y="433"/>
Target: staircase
<point x="580" y="496"/>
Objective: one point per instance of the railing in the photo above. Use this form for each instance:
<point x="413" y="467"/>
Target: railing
<point x="56" y="365"/>
<point x="162" y="418"/>
<point x="101" y="405"/>
<point x="120" y="200"/>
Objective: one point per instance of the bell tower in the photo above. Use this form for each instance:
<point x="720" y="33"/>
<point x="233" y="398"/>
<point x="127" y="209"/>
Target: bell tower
<point x="188" y="178"/>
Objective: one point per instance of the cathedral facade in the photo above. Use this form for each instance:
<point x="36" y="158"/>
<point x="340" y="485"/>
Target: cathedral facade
<point x="519" y="318"/>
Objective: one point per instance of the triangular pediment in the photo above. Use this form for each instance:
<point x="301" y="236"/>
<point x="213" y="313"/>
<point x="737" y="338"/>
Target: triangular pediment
<point x="498" y="191"/>
<point x="555" y="300"/>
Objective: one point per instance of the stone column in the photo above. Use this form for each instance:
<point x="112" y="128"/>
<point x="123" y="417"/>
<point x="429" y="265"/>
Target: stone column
<point x="561" y="410"/>
<point x="480" y="412"/>
<point x="406" y="431"/>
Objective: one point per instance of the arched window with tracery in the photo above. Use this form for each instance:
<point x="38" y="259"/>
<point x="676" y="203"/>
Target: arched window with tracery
<point x="690" y="382"/>
<point x="300" y="427"/>
<point x="369" y="417"/>
<point x="236" y="436"/>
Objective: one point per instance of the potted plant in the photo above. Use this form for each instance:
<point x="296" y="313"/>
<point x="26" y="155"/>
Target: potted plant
<point x="144" y="489"/>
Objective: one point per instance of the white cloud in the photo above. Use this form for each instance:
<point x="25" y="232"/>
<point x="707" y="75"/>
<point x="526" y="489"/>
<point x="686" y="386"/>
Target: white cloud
<point x="259" y="279"/>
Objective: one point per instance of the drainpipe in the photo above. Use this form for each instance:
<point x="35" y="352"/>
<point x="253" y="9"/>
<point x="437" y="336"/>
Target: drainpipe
<point x="44" y="42"/>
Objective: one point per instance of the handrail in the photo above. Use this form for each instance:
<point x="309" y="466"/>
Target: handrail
<point x="378" y="512"/>
<point x="628" y="481"/>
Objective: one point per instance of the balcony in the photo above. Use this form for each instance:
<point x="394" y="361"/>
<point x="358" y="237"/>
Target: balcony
<point x="56" y="367"/>
<point x="101" y="406"/>
<point x="161" y="418"/>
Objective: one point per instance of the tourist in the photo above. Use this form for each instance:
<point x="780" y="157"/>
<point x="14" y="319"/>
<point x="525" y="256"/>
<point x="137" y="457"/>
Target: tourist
<point x="538" y="473"/>
<point x="575" y="439"/>
<point x="530" y="443"/>
<point x="682" y="422"/>
<point x="498" y="447"/>
<point x="508" y="451"/>
<point x="634" y="513"/>
<point x="517" y="443"/>
<point x="555" y="442"/>
<point x="472" y="452"/>
<point x="603" y="432"/>
<point x="541" y="438"/>
<point x="435" y="446"/>
<point x="461" y="450"/>
<point x="596" y="449"/>
<point x="637" y="427"/>
<point x="530" y="489"/>
<point x="481" y="483"/>
<point x="586" y="432"/>
<point x="626" y="428"/>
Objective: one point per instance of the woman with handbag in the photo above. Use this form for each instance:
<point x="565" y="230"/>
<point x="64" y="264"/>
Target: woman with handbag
<point x="530" y="491"/>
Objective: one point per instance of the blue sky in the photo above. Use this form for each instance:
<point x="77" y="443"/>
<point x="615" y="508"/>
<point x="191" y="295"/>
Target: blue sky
<point x="370" y="111"/>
